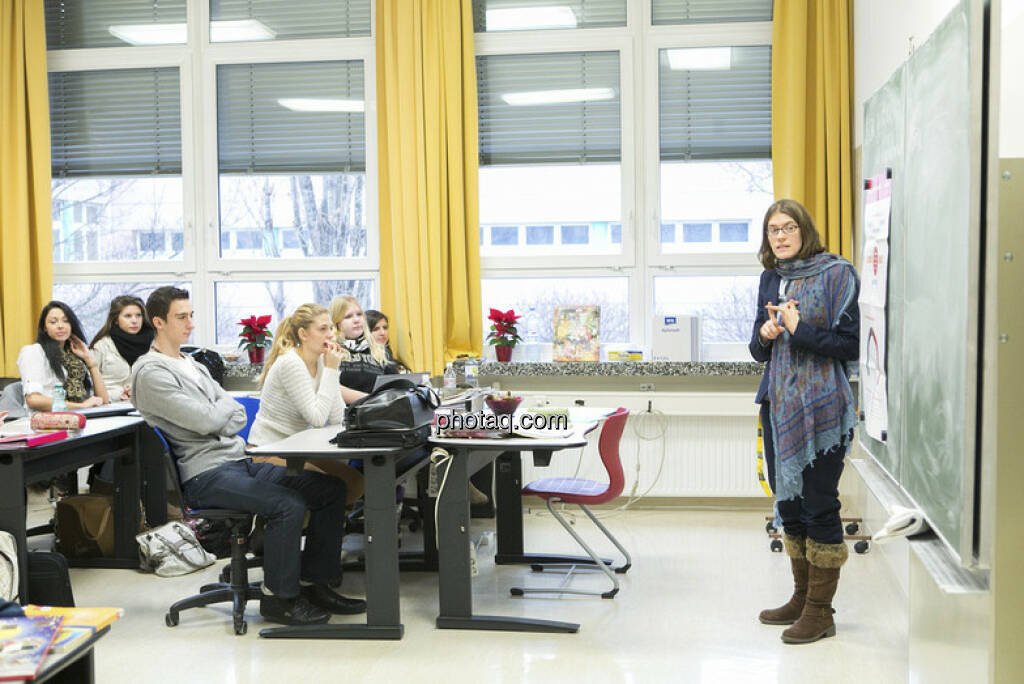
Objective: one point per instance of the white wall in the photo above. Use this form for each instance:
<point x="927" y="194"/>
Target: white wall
<point x="1011" y="86"/>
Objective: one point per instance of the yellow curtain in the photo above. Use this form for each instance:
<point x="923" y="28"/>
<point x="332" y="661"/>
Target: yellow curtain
<point x="812" y="49"/>
<point x="26" y="251"/>
<point x="427" y="141"/>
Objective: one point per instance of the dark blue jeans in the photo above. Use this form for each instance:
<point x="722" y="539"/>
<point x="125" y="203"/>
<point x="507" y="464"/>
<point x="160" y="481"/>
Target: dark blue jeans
<point x="815" y="513"/>
<point x="282" y="499"/>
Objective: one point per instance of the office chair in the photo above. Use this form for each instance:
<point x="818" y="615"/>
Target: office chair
<point x="239" y="590"/>
<point x="585" y="493"/>
<point x="252" y="407"/>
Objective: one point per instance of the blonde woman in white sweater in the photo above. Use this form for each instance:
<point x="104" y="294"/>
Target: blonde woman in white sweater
<point x="300" y="389"/>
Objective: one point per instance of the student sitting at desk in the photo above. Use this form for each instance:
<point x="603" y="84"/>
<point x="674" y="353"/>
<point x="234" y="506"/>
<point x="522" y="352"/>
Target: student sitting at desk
<point x="299" y="389"/>
<point x="59" y="356"/>
<point x="201" y="421"/>
<point x="380" y="330"/>
<point x="124" y="337"/>
<point x="362" y="357"/>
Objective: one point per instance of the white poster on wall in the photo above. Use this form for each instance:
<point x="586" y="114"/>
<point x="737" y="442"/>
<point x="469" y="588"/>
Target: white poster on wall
<point x="873" y="303"/>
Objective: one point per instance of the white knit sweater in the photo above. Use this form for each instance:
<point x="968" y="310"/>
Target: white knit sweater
<point x="291" y="400"/>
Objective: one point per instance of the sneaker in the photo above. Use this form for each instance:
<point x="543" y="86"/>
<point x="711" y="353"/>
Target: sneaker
<point x="327" y="599"/>
<point x="294" y="611"/>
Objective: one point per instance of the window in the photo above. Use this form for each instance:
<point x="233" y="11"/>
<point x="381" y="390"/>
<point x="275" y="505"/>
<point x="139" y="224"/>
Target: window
<point x="540" y="235"/>
<point x="725" y="304"/>
<point x="504" y="235"/>
<point x="234" y="151"/>
<point x="523" y="15"/>
<point x="696" y="232"/>
<point x="734" y="231"/>
<point x="91" y="300"/>
<point x="709" y="11"/>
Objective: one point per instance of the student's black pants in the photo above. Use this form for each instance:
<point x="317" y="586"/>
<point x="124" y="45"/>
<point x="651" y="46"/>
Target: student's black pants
<point x="815" y="513"/>
<point x="268" y="490"/>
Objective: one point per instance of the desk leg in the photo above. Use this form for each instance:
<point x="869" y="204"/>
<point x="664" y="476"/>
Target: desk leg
<point x="382" y="610"/>
<point x="126" y="499"/>
<point x="455" y="581"/>
<point x="12" y="513"/>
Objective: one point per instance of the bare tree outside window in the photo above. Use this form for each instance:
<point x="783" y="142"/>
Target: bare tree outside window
<point x="91" y="301"/>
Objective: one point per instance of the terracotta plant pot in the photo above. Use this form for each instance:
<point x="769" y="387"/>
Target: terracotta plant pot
<point x="503" y="352"/>
<point x="256" y="354"/>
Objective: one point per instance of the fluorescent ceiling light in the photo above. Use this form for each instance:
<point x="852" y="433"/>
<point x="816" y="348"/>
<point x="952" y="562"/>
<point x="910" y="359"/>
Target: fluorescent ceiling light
<point x="538" y="97"/>
<point x="520" y="18"/>
<point x="177" y="34"/>
<point x="242" y="29"/>
<point x="309" y="104"/>
<point x="700" y="59"/>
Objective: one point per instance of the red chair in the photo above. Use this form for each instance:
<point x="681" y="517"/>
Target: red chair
<point x="586" y="493"/>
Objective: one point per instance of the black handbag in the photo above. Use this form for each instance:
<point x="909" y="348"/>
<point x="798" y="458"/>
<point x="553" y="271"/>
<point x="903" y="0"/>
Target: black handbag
<point x="397" y="405"/>
<point x="369" y="439"/>
<point x="213" y="361"/>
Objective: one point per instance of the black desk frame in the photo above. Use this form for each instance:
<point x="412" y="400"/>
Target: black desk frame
<point x="26" y="465"/>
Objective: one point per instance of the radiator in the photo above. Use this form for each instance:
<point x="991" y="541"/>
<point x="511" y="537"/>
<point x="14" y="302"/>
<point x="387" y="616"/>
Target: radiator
<point x="704" y="456"/>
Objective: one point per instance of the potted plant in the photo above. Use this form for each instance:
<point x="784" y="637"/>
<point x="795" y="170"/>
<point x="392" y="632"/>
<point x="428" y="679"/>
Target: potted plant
<point x="255" y="336"/>
<point x="503" y="335"/>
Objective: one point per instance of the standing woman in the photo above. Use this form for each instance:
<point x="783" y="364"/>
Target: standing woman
<point x="807" y="326"/>
<point x="362" y="357"/>
<point x="125" y="336"/>
<point x="299" y="388"/>
<point x="60" y="356"/>
<point x="380" y="331"/>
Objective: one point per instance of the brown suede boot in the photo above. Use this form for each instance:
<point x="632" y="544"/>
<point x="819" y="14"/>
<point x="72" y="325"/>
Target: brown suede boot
<point x="823" y="577"/>
<point x="788" y="613"/>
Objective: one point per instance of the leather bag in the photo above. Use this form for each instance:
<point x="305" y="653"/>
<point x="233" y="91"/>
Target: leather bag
<point x="171" y="550"/>
<point x="84" y="526"/>
<point x="398" y="405"/>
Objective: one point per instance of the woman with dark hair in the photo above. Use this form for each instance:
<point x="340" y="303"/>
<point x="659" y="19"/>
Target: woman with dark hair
<point x="806" y="329"/>
<point x="125" y="336"/>
<point x="380" y="331"/>
<point x="59" y="356"/>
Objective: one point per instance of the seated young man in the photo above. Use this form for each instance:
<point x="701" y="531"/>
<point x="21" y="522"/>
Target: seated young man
<point x="201" y="422"/>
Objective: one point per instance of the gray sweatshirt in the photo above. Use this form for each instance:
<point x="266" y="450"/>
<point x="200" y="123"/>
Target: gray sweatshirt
<point x="200" y="421"/>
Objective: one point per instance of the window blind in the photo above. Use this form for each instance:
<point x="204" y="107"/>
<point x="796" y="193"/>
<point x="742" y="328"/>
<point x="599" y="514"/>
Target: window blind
<point x="305" y="19"/>
<point x="709" y="11"/>
<point x="719" y="113"/>
<point x="86" y="23"/>
<point x="256" y="133"/>
<point x="511" y="15"/>
<point x="119" y="122"/>
<point x="560" y="132"/>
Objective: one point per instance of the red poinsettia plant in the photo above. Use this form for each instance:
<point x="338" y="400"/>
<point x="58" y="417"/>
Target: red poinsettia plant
<point x="503" y="328"/>
<point x="255" y="333"/>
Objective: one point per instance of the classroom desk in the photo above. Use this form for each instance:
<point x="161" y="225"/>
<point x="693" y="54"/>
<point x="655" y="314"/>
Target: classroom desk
<point x="455" y="591"/>
<point x="102" y="439"/>
<point x="75" y="667"/>
<point x="382" y="611"/>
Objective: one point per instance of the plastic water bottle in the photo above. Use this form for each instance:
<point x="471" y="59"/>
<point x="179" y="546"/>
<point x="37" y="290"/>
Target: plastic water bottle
<point x="449" y="379"/>
<point x="531" y="335"/>
<point x="472" y="372"/>
<point x="59" y="403"/>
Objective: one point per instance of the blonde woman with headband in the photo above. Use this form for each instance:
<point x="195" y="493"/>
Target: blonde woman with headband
<point x="362" y="357"/>
<point x="299" y="388"/>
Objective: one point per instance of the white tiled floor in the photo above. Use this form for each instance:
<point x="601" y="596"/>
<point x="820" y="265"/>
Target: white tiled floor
<point x="687" y="612"/>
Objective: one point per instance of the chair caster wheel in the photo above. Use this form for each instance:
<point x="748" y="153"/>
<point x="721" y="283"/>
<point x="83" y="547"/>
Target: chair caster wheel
<point x="414" y="526"/>
<point x="861" y="547"/>
<point x="770" y="528"/>
<point x="171" y="619"/>
<point x="852" y="528"/>
<point x="241" y="627"/>
<point x="776" y="546"/>
<point x="516" y="591"/>
<point x="225" y="575"/>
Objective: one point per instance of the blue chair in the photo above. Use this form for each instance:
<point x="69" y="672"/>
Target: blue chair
<point x="238" y="590"/>
<point x="252" y="407"/>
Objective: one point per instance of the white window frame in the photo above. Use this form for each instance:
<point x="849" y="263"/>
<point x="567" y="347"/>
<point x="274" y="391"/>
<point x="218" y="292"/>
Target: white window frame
<point x="202" y="264"/>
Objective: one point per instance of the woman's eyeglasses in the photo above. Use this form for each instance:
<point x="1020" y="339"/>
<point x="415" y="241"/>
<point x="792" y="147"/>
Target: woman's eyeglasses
<point x="788" y="229"/>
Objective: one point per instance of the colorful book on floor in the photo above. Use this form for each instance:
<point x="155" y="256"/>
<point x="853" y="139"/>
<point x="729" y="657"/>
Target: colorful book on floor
<point x="93" y="617"/>
<point x="24" y="642"/>
<point x="35" y="438"/>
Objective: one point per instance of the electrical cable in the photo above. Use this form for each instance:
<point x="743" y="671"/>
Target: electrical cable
<point x="438" y="457"/>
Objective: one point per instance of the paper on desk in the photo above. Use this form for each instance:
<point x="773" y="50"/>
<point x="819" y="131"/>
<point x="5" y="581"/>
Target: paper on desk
<point x="16" y="427"/>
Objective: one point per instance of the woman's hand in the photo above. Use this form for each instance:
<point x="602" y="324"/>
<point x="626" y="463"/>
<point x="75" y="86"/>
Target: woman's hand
<point x="127" y="393"/>
<point x="788" y="313"/>
<point x="82" y="351"/>
<point x="332" y="356"/>
<point x="88" y="403"/>
<point x="771" y="328"/>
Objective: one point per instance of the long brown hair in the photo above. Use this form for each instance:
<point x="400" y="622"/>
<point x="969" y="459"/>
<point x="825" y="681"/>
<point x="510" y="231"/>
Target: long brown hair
<point x="287" y="335"/>
<point x="810" y="242"/>
<point x="118" y="305"/>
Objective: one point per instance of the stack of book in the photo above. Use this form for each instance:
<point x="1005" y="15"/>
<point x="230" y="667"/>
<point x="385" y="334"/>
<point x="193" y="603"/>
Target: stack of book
<point x="45" y="635"/>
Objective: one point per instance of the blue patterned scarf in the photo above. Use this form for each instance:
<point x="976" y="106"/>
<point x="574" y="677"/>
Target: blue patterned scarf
<point x="812" y="406"/>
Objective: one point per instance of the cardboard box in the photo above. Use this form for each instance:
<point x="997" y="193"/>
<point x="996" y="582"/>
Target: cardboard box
<point x="676" y="338"/>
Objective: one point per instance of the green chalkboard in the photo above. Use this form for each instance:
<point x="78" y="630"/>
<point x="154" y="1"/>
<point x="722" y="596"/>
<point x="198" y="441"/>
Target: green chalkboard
<point x="925" y="124"/>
